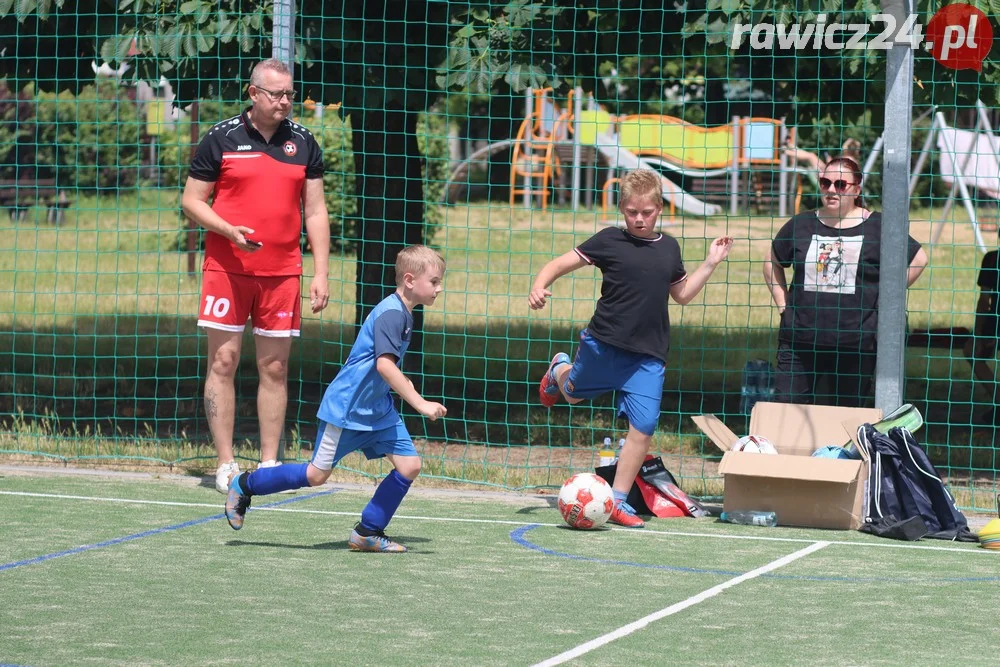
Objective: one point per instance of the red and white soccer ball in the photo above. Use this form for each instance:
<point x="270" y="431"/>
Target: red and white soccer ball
<point x="586" y="501"/>
<point x="754" y="444"/>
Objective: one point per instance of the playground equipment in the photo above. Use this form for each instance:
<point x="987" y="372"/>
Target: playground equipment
<point x="966" y="159"/>
<point x="741" y="159"/>
<point x="535" y="160"/>
<point x="550" y="138"/>
<point x="617" y="148"/>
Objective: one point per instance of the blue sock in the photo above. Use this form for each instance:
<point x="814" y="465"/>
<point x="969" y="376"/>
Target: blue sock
<point x="389" y="494"/>
<point x="263" y="481"/>
<point x="620" y="496"/>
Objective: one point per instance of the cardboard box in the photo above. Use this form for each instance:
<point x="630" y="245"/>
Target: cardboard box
<point x="801" y="490"/>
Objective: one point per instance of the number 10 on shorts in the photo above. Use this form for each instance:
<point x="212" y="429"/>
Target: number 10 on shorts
<point x="215" y="307"/>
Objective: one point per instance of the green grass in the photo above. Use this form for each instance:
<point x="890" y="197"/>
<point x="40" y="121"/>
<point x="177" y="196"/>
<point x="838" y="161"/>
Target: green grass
<point x="167" y="582"/>
<point x="100" y="357"/>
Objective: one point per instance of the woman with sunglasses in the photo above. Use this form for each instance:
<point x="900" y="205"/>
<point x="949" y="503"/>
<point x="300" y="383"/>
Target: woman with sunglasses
<point x="829" y="311"/>
<point x="850" y="149"/>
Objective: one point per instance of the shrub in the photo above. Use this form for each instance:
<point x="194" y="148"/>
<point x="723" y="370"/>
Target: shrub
<point x="89" y="141"/>
<point x="334" y="136"/>
<point x="432" y="139"/>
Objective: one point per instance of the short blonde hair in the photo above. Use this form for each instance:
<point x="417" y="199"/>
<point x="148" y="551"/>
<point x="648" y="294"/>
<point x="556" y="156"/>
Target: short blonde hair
<point x="641" y="184"/>
<point x="272" y="64"/>
<point x="415" y="259"/>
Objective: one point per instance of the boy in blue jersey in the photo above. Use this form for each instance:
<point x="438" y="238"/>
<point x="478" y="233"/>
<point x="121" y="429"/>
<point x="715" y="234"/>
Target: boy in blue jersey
<point x="624" y="347"/>
<point x="358" y="414"/>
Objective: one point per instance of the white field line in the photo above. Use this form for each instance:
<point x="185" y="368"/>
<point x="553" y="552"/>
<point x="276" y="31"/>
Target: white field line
<point x="501" y="522"/>
<point x="634" y="626"/>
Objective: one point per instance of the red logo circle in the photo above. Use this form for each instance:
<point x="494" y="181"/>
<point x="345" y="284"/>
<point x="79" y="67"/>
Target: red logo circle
<point x="290" y="148"/>
<point x="960" y="37"/>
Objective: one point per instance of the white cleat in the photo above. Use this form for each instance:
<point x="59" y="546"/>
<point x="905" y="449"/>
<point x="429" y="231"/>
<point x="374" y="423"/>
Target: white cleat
<point x="223" y="474"/>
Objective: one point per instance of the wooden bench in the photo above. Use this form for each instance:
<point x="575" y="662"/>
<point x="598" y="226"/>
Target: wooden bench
<point x="19" y="195"/>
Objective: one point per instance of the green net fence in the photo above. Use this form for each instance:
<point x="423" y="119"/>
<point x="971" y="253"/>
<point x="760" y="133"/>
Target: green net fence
<point x="496" y="133"/>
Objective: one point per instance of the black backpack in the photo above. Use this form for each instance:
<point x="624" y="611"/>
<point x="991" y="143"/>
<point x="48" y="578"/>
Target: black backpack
<point x="903" y="484"/>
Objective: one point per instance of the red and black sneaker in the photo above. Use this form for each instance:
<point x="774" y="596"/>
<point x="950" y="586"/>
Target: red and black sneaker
<point x="548" y="388"/>
<point x="624" y="515"/>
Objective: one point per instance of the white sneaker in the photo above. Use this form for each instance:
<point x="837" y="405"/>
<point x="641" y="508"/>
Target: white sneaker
<point x="223" y="474"/>
<point x="274" y="464"/>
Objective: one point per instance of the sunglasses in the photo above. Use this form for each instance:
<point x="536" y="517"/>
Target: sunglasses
<point x="839" y="185"/>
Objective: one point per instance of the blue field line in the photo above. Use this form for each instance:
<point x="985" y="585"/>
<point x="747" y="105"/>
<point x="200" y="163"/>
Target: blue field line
<point x="155" y="531"/>
<point x="518" y="537"/>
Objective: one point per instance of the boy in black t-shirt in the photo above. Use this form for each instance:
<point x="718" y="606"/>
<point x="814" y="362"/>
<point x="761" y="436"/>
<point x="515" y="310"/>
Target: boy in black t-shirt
<point x="624" y="346"/>
<point x="983" y="345"/>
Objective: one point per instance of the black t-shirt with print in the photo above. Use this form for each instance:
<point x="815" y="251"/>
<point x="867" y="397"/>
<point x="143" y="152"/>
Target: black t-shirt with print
<point x="638" y="274"/>
<point x="833" y="294"/>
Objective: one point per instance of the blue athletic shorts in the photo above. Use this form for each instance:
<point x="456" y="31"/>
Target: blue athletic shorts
<point x="638" y="378"/>
<point x="334" y="443"/>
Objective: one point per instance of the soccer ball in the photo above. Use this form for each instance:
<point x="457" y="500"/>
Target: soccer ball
<point x="754" y="444"/>
<point x="586" y="501"/>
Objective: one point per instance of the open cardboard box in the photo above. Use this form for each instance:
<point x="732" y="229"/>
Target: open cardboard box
<point x="799" y="489"/>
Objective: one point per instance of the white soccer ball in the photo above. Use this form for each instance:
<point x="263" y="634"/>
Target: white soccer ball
<point x="586" y="501"/>
<point x="754" y="444"/>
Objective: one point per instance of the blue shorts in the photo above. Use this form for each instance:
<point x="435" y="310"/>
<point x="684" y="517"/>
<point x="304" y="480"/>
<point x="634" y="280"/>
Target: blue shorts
<point x="599" y="368"/>
<point x="334" y="443"/>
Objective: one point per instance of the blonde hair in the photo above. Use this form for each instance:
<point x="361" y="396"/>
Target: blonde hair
<point x="415" y="259"/>
<point x="641" y="183"/>
<point x="272" y="64"/>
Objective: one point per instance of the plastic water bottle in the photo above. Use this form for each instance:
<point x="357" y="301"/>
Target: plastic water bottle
<point x="607" y="454"/>
<point x="751" y="518"/>
<point x="757" y="380"/>
<point x="618" y="452"/>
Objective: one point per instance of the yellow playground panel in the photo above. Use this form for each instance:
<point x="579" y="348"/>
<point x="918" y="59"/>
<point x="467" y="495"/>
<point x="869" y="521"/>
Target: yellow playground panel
<point x="677" y="140"/>
<point x="730" y="151"/>
<point x="757" y="140"/>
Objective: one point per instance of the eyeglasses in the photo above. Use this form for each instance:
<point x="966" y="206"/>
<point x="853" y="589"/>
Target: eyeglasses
<point x="276" y="95"/>
<point x="839" y="185"/>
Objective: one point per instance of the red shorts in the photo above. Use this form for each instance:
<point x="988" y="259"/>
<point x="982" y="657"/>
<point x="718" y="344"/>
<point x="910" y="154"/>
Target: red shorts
<point x="273" y="303"/>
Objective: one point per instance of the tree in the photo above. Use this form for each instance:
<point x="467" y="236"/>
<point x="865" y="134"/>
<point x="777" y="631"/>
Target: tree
<point x="207" y="48"/>
<point x="580" y="40"/>
<point x="387" y="62"/>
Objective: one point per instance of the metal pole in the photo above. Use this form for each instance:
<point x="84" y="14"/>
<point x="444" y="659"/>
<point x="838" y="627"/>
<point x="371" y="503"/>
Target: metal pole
<point x="577" y="110"/>
<point x="283" y="49"/>
<point x="960" y="185"/>
<point x="783" y="175"/>
<point x="734" y="174"/>
<point x="866" y="170"/>
<point x="925" y="150"/>
<point x="283" y="33"/>
<point x="893" y="256"/>
<point x="529" y="133"/>
<point x="984" y="119"/>
<point x="192" y="229"/>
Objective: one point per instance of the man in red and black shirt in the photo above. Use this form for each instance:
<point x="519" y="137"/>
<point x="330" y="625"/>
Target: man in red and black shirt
<point x="262" y="173"/>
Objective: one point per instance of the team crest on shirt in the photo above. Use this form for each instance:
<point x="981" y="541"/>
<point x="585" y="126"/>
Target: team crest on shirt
<point x="290" y="148"/>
